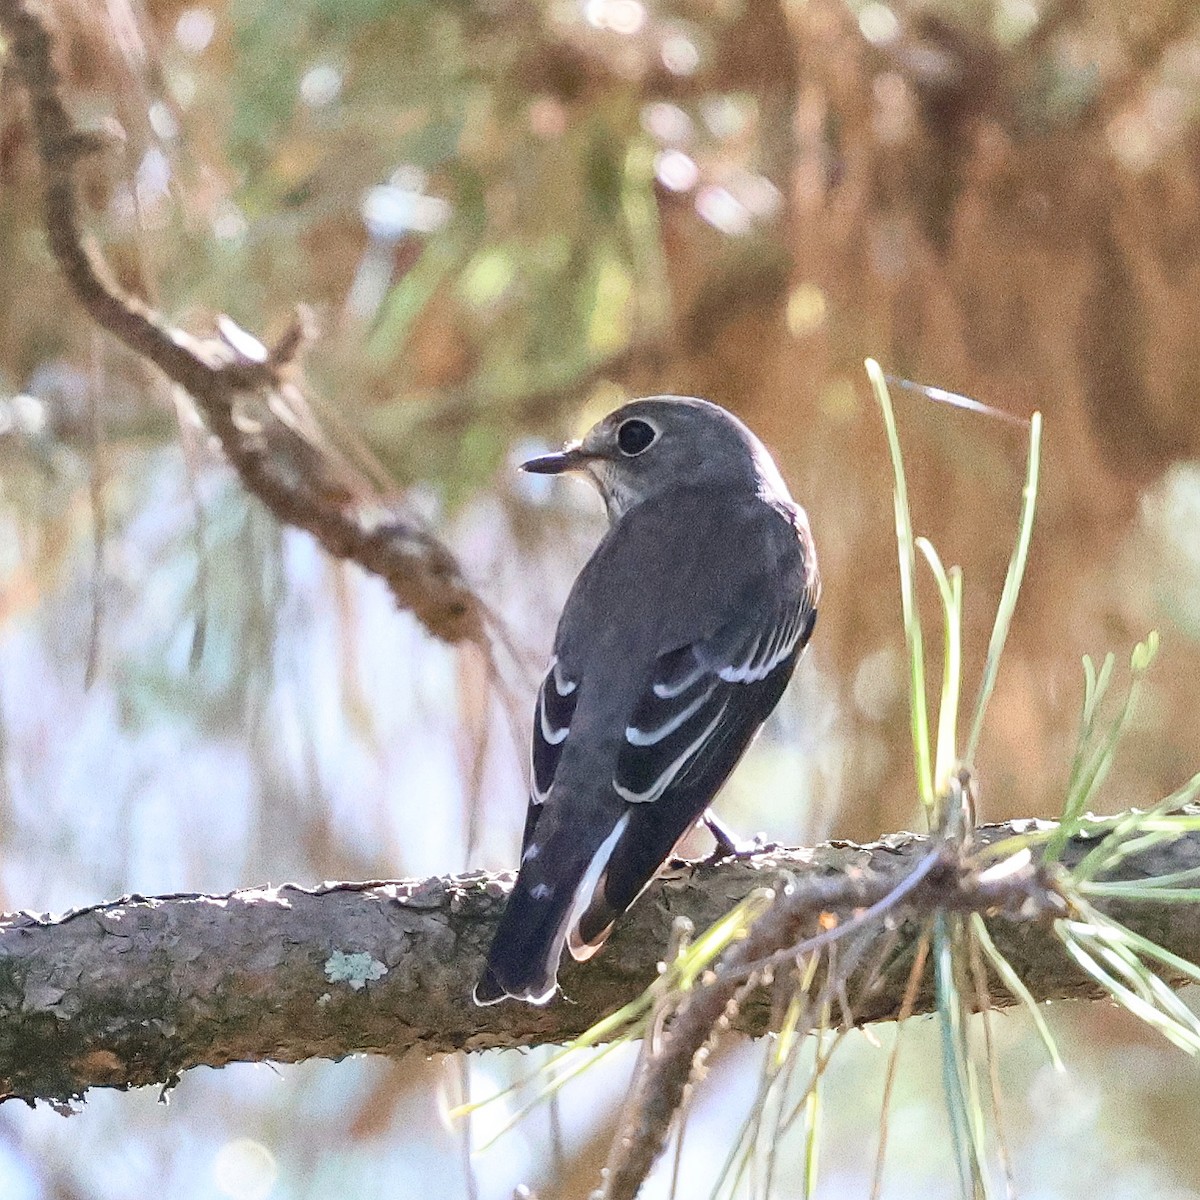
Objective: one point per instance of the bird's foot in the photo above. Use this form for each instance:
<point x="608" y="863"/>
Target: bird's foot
<point x="724" y="851"/>
<point x="730" y="846"/>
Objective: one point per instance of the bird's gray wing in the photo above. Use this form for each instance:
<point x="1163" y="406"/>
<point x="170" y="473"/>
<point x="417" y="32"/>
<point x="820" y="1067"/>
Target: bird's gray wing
<point x="701" y="689"/>
<point x="701" y="706"/>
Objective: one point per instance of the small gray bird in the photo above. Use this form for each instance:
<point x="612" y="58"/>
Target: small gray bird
<point x="677" y="640"/>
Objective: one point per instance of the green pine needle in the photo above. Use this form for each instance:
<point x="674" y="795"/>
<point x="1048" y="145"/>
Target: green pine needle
<point x="1135" y="832"/>
<point x="949" y="584"/>
<point x="1092" y="763"/>
<point x="905" y="544"/>
<point x="1016" y="985"/>
<point x="967" y="1118"/>
<point x="1012" y="585"/>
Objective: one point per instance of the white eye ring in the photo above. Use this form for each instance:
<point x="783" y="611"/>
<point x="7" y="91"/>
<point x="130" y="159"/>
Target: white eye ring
<point x="635" y="436"/>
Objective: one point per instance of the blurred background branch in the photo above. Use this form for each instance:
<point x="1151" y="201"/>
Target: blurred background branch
<point x="251" y="398"/>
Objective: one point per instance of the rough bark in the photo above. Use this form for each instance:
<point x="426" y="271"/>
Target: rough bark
<point x="137" y="991"/>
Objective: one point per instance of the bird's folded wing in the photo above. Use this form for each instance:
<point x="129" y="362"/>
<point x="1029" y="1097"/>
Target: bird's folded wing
<point x="701" y="707"/>
<point x="700" y="692"/>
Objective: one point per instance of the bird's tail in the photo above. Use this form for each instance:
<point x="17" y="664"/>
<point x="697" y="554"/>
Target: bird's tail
<point x="523" y="959"/>
<point x="551" y="893"/>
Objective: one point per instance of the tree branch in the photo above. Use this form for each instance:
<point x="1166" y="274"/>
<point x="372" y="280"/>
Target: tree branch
<point x="139" y="990"/>
<point x="250" y="397"/>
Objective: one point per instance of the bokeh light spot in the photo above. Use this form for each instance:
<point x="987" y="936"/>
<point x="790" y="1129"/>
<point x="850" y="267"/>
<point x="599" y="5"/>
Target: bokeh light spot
<point x="805" y="310"/>
<point x="1015" y="19"/>
<point x="757" y="193"/>
<point x="667" y="122"/>
<point x="878" y="24"/>
<point x="619" y="16"/>
<point x="675" y="170"/>
<point x="1132" y="141"/>
<point x="723" y="211"/>
<point x="839" y="400"/>
<point x="487" y="278"/>
<point x="229" y="225"/>
<point x="321" y="85"/>
<point x="878" y="683"/>
<point x="245" y="1170"/>
<point x="729" y="115"/>
<point x="162" y="120"/>
<point x="194" y="29"/>
<point x="679" y="54"/>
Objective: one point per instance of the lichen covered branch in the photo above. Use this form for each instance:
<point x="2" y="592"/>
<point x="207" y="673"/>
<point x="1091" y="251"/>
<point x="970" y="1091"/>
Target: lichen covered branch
<point x="137" y="991"/>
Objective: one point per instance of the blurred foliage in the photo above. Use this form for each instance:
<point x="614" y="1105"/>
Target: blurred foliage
<point x="509" y="215"/>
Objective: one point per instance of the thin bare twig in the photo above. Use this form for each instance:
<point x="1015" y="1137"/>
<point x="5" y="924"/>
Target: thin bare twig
<point x="906" y="1006"/>
<point x="96" y="486"/>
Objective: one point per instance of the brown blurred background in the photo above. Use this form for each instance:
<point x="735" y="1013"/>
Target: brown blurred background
<point x="509" y="216"/>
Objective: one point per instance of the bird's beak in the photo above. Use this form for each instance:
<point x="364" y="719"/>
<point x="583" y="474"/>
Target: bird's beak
<point x="570" y="458"/>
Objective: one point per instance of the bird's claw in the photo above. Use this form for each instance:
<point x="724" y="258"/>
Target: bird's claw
<point x="726" y="849"/>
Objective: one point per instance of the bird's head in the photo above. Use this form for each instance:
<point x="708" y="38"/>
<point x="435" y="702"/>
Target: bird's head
<point x="652" y="446"/>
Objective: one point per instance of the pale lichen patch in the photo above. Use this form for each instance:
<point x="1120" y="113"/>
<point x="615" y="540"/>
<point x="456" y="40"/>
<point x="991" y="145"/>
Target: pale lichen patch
<point x="355" y="969"/>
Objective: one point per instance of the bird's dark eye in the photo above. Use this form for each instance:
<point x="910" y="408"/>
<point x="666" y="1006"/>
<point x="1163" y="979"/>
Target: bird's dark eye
<point x="634" y="436"/>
